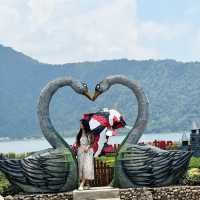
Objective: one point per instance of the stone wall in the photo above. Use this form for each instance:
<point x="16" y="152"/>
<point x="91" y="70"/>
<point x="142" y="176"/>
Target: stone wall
<point x="161" y="193"/>
<point x="56" y="196"/>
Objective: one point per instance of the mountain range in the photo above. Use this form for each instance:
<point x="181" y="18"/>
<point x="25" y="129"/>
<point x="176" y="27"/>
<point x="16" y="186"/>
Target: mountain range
<point x="173" y="90"/>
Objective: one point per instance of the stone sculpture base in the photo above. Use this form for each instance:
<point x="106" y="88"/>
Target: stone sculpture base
<point x="97" y="193"/>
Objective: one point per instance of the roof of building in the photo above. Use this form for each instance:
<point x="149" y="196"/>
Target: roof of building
<point x="196" y="124"/>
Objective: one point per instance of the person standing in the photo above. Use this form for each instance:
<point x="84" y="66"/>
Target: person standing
<point x="84" y="143"/>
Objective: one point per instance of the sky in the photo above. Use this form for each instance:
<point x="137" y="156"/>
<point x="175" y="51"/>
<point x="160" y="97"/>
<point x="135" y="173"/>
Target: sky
<point x="65" y="31"/>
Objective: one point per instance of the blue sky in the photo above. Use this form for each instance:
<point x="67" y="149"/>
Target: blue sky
<point x="61" y="31"/>
<point x="170" y="11"/>
<point x="181" y="17"/>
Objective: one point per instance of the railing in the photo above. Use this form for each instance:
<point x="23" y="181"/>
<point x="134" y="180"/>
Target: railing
<point x="103" y="174"/>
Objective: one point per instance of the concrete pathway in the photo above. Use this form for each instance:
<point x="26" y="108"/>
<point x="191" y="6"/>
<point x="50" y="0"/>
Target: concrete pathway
<point x="97" y="193"/>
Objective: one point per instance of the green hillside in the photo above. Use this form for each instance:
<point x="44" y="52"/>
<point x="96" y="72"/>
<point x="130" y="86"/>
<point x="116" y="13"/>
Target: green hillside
<point x="172" y="88"/>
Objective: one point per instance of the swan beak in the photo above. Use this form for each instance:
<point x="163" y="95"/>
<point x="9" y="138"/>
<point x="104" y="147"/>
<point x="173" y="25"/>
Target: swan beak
<point x="87" y="94"/>
<point x="96" y="94"/>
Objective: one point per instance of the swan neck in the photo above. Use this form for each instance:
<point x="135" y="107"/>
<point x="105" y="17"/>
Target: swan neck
<point x="139" y="125"/>
<point x="48" y="130"/>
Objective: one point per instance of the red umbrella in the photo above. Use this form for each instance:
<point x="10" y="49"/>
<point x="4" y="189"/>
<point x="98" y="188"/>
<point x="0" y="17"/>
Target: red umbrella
<point x="103" y="124"/>
<point x="105" y="118"/>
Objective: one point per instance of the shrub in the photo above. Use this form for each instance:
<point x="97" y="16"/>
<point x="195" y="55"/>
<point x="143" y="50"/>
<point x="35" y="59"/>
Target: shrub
<point x="193" y="176"/>
<point x="194" y="162"/>
<point x="4" y="183"/>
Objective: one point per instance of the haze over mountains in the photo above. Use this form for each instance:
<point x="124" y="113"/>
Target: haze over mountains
<point x="173" y="90"/>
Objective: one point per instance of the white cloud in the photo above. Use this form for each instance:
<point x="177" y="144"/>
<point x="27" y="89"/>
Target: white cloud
<point x="62" y="31"/>
<point x="195" y="45"/>
<point x="58" y="31"/>
<point x="41" y="11"/>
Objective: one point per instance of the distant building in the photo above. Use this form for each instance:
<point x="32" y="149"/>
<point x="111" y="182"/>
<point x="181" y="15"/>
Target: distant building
<point x="195" y="138"/>
<point x="185" y="142"/>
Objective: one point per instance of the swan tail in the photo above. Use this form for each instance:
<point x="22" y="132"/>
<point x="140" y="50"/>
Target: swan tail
<point x="181" y="160"/>
<point x="178" y="167"/>
<point x="12" y="170"/>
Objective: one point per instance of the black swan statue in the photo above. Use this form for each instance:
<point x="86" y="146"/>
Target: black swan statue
<point x="50" y="170"/>
<point x="143" y="165"/>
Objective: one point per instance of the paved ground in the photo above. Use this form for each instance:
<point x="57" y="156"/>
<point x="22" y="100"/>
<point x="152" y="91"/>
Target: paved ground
<point x="97" y="193"/>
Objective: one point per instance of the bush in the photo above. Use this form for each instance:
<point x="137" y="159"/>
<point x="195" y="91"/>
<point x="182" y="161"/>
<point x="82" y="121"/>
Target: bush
<point x="4" y="183"/>
<point x="193" y="176"/>
<point x="194" y="162"/>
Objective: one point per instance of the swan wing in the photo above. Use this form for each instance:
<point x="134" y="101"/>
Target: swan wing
<point x="45" y="170"/>
<point x="150" y="166"/>
<point x="136" y="162"/>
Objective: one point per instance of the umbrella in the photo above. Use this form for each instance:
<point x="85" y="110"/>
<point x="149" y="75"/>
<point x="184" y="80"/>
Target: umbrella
<point x="110" y="119"/>
<point x="103" y="124"/>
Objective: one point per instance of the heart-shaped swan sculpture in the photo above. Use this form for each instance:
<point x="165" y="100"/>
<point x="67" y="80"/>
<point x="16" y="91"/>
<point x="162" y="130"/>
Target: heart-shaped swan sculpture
<point x="55" y="170"/>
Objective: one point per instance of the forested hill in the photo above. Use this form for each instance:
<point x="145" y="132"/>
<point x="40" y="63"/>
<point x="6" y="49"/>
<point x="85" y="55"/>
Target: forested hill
<point x="173" y="90"/>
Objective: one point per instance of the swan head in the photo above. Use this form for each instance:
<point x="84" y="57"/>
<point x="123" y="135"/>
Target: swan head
<point x="81" y="88"/>
<point x="100" y="88"/>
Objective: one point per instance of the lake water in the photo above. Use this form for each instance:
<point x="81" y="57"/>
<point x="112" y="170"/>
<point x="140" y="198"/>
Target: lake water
<point x="31" y="145"/>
